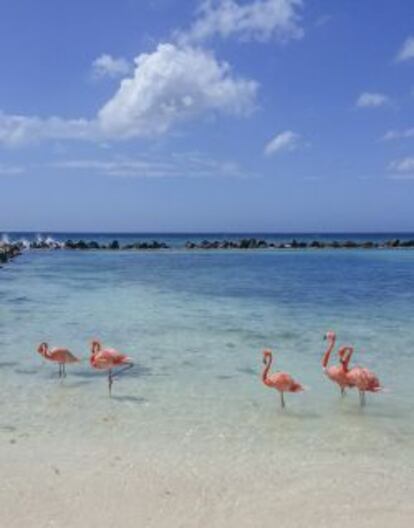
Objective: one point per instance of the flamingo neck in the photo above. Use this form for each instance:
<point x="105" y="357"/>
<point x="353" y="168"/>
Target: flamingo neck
<point x="347" y="358"/>
<point x="327" y="355"/>
<point x="267" y="368"/>
<point x="45" y="351"/>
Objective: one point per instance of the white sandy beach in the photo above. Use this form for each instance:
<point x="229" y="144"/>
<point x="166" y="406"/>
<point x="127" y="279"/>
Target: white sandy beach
<point x="105" y="478"/>
<point x="56" y="487"/>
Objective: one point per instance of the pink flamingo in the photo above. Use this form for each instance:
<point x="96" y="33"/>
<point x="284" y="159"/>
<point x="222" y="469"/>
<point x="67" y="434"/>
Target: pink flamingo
<point x="58" y="355"/>
<point x="361" y="378"/>
<point x="336" y="373"/>
<point x="108" y="359"/>
<point x="281" y="381"/>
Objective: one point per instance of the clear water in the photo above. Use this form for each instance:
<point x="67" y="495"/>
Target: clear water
<point x="194" y="404"/>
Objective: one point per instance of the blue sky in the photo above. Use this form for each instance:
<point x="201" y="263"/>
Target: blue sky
<point x="221" y="115"/>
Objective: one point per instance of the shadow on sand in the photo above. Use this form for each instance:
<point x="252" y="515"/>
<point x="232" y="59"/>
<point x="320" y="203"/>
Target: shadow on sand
<point x="131" y="399"/>
<point x="8" y="364"/>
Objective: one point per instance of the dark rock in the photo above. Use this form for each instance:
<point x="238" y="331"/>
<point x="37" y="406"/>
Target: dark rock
<point x="114" y="245"/>
<point x="93" y="245"/>
<point x="315" y="244"/>
<point x="81" y="244"/>
<point x="393" y="243"/>
<point x="8" y="251"/>
<point x="349" y="244"/>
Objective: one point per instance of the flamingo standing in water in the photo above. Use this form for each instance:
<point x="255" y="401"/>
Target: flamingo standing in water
<point x="361" y="378"/>
<point x="336" y="373"/>
<point x="108" y="359"/>
<point x="281" y="381"/>
<point x="58" y="355"/>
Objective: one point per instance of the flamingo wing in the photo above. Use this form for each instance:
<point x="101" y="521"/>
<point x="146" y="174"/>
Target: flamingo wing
<point x="108" y="358"/>
<point x="62" y="355"/>
<point x="283" y="381"/>
<point x="364" y="379"/>
<point x="115" y="356"/>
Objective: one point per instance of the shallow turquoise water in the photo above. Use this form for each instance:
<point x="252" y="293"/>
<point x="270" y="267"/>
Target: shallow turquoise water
<point x="196" y="323"/>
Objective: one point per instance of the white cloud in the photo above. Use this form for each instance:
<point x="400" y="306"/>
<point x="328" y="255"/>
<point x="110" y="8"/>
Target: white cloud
<point x="287" y="140"/>
<point x="191" y="165"/>
<point x="108" y="66"/>
<point x="11" y="170"/>
<point x="372" y="100"/>
<point x="168" y="86"/>
<point x="259" y="19"/>
<point x="19" y="129"/>
<point x="119" y="167"/>
<point x="406" y="177"/>
<point x="407" y="50"/>
<point x="398" y="134"/>
<point x="402" y="165"/>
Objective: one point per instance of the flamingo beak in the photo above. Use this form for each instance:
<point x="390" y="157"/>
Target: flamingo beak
<point x="324" y="337"/>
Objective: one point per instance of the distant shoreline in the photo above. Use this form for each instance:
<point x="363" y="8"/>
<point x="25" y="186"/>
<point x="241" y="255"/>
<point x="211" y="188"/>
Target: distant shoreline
<point x="9" y="250"/>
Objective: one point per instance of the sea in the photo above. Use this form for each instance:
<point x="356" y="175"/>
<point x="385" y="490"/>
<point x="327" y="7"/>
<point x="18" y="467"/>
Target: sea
<point x="191" y="436"/>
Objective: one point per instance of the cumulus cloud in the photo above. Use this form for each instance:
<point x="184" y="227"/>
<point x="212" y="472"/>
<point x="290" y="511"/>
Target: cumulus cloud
<point x="372" y="100"/>
<point x="403" y="165"/>
<point x="407" y="50"/>
<point x="108" y="66"/>
<point x="168" y="86"/>
<point x="398" y="134"/>
<point x="287" y="140"/>
<point x="259" y="20"/>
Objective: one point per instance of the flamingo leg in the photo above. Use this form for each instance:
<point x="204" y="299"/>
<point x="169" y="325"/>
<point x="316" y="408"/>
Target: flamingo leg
<point x="282" y="399"/>
<point x="110" y="381"/>
<point x="362" y="398"/>
<point x="113" y="375"/>
<point x="343" y="391"/>
<point x="363" y="401"/>
<point x="64" y="370"/>
<point x="60" y="370"/>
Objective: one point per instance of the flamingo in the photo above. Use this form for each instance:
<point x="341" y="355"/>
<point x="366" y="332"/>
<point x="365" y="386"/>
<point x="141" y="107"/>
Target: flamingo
<point x="336" y="373"/>
<point x="281" y="381"/>
<point x="108" y="359"/>
<point x="360" y="377"/>
<point x="59" y="355"/>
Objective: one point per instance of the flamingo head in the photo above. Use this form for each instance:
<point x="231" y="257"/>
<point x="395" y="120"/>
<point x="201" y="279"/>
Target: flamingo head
<point x="330" y="335"/>
<point x="267" y="355"/>
<point x="95" y="346"/>
<point x="342" y="351"/>
<point x="42" y="348"/>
